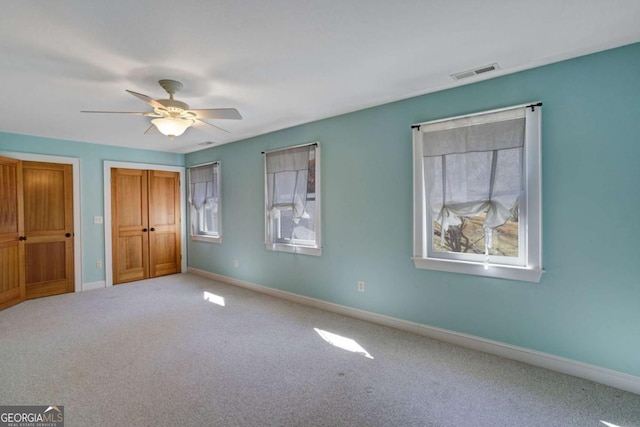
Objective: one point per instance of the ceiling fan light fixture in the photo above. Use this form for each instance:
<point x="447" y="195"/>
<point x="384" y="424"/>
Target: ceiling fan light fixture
<point x="172" y="126"/>
<point x="172" y="117"/>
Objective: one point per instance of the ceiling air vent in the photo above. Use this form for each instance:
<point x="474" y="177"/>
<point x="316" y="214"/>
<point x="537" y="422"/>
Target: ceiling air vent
<point x="206" y="143"/>
<point x="475" y="71"/>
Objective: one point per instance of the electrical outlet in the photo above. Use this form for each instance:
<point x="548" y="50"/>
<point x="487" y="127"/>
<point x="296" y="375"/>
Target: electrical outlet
<point x="97" y="220"/>
<point x="360" y="286"/>
<point x="235" y="263"/>
<point x="98" y="264"/>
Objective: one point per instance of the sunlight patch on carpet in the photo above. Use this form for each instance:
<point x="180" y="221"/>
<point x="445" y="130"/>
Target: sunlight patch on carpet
<point x="343" y="342"/>
<point x="216" y="299"/>
<point x="609" y="424"/>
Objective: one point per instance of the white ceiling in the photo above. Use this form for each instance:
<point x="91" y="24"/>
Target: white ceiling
<point x="280" y="62"/>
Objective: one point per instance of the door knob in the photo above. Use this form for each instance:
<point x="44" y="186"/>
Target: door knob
<point x="153" y="229"/>
<point x="144" y="230"/>
<point x="22" y="238"/>
<point x="67" y="235"/>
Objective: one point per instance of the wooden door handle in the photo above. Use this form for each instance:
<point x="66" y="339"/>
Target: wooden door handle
<point x="22" y="238"/>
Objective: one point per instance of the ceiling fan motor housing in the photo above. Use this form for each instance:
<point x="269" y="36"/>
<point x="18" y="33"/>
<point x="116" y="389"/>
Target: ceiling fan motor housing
<point x="174" y="106"/>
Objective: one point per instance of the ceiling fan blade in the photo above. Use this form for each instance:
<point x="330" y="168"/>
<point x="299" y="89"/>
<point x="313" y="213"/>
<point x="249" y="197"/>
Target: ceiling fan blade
<point x="136" y="113"/>
<point x="204" y="126"/>
<point x="152" y="130"/>
<point x="218" y="113"/>
<point x="147" y="99"/>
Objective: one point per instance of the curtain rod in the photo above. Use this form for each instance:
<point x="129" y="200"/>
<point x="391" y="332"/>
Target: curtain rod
<point x="287" y="148"/>
<point x="217" y="162"/>
<point x="532" y="106"/>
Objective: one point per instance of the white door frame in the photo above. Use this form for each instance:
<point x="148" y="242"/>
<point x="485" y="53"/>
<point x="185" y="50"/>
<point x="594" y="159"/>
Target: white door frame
<point x="108" y="254"/>
<point x="77" y="203"/>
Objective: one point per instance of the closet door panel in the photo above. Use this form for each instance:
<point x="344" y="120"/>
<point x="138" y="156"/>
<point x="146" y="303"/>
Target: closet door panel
<point x="12" y="289"/>
<point x="129" y="217"/>
<point x="48" y="226"/>
<point x="164" y="222"/>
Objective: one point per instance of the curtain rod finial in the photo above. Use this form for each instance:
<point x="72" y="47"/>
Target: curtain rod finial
<point x="533" y="106"/>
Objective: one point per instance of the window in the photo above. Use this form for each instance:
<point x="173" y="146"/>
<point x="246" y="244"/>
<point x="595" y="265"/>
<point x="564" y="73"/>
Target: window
<point x="292" y="199"/>
<point x="204" y="202"/>
<point x="477" y="194"/>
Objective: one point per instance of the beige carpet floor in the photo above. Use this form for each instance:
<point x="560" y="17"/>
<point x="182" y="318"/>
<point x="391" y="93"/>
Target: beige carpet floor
<point x="185" y="351"/>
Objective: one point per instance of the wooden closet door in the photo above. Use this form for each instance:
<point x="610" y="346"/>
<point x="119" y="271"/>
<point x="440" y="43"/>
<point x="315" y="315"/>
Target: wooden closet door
<point x="12" y="290"/>
<point x="129" y="221"/>
<point x="48" y="226"/>
<point x="164" y="222"/>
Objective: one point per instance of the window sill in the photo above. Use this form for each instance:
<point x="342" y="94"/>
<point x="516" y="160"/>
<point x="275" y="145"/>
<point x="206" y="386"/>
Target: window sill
<point x="477" y="269"/>
<point x="208" y="239"/>
<point x="303" y="250"/>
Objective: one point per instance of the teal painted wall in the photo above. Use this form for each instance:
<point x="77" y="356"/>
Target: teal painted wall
<point x="585" y="307"/>
<point x="91" y="158"/>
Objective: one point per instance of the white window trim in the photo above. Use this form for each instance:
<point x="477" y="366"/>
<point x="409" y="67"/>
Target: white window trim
<point x="296" y="248"/>
<point x="200" y="237"/>
<point x="532" y="219"/>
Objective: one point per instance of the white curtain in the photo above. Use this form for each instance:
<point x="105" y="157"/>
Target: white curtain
<point x="286" y="174"/>
<point x="472" y="165"/>
<point x="203" y="190"/>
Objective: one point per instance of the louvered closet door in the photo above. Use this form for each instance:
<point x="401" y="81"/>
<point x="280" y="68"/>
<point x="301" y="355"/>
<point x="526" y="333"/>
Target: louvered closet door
<point x="145" y="212"/>
<point x="12" y="290"/>
<point x="48" y="226"/>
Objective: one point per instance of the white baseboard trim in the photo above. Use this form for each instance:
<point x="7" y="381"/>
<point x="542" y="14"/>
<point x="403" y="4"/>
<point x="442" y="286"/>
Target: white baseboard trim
<point x="93" y="285"/>
<point x="575" y="368"/>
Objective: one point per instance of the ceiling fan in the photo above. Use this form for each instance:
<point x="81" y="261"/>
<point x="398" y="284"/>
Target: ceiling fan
<point x="172" y="117"/>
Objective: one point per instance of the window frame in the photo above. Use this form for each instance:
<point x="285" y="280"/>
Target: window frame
<point x="210" y="238"/>
<point x="530" y="208"/>
<point x="298" y="246"/>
